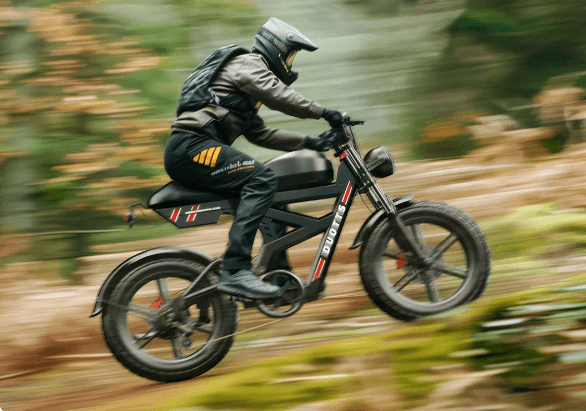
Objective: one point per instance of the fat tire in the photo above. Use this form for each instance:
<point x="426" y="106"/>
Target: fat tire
<point x="225" y="314"/>
<point x="370" y="259"/>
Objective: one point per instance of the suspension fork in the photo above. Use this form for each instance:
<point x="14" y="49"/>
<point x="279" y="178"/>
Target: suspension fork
<point x="368" y="185"/>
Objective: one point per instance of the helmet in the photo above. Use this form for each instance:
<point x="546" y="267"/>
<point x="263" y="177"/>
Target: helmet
<point x="277" y="42"/>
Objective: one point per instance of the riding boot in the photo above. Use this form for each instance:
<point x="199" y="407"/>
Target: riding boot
<point x="245" y="284"/>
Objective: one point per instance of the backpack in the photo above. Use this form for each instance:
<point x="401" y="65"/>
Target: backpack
<point x="196" y="92"/>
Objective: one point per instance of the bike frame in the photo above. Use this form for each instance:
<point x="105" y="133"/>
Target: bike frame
<point x="306" y="227"/>
<point x="352" y="177"/>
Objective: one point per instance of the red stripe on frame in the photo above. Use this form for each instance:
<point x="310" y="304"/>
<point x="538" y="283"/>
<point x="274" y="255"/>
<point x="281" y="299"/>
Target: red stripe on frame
<point x="319" y="267"/>
<point x="347" y="193"/>
<point x="343" y="155"/>
<point x="175" y="215"/>
<point x="192" y="216"/>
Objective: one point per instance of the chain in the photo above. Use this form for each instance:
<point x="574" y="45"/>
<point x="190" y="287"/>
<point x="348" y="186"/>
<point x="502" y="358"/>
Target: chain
<point x="240" y="332"/>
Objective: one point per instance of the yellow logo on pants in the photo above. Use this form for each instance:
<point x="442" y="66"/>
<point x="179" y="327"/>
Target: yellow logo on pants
<point x="208" y="157"/>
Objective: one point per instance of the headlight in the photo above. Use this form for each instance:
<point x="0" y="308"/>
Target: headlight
<point x="379" y="162"/>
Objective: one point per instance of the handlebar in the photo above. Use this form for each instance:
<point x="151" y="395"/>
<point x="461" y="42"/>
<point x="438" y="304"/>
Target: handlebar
<point x="338" y="135"/>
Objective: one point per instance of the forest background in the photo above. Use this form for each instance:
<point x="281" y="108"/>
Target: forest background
<point x="88" y="91"/>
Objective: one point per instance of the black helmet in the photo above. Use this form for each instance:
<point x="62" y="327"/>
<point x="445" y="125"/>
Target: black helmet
<point x="276" y="41"/>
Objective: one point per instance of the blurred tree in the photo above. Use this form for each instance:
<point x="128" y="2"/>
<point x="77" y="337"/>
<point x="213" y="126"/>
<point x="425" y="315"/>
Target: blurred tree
<point x="509" y="49"/>
<point x="81" y="87"/>
<point x="501" y="54"/>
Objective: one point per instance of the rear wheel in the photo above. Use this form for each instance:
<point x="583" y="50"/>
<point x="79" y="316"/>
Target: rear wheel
<point x="151" y="332"/>
<point x="458" y="272"/>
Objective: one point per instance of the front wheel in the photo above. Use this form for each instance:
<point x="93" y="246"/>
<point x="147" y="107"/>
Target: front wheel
<point x="456" y="273"/>
<point x="154" y="334"/>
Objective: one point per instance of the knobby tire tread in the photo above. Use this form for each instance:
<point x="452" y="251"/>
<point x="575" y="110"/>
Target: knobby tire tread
<point x="386" y="303"/>
<point x="229" y="310"/>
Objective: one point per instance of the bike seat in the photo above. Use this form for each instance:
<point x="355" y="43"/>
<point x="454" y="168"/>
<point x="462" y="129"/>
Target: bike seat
<point x="174" y="194"/>
<point x="294" y="170"/>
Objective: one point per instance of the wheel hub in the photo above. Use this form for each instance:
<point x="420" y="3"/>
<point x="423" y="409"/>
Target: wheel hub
<point x="429" y="273"/>
<point x="170" y="322"/>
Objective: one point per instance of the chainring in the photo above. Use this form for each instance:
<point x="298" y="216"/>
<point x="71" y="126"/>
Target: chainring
<point x="291" y="294"/>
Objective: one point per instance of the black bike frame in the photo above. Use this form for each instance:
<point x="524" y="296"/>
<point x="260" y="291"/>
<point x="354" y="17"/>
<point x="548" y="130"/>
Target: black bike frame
<point x="353" y="176"/>
<point x="306" y="227"/>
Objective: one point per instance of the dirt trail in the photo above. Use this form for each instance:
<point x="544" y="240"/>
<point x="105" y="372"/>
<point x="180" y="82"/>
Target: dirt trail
<point x="52" y="356"/>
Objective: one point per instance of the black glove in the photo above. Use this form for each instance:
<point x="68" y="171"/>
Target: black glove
<point x="317" y="144"/>
<point x="333" y="117"/>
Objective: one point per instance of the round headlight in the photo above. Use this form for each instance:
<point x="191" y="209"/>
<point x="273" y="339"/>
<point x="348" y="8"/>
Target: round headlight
<point x="379" y="162"/>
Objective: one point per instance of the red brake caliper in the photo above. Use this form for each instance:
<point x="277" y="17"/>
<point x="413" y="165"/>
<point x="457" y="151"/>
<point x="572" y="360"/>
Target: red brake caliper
<point x="401" y="262"/>
<point x="157" y="304"/>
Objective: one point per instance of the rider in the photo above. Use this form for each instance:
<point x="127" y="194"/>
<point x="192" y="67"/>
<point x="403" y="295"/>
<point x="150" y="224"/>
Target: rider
<point x="219" y="102"/>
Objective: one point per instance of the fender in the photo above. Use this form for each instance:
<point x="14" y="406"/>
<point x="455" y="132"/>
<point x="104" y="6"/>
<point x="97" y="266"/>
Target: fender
<point x="140" y="259"/>
<point x="376" y="217"/>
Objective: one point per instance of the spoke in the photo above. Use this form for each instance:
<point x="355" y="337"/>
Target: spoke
<point x="203" y="328"/>
<point x="409" y="276"/>
<point x="164" y="289"/>
<point x="443" y="246"/>
<point x="149" y="336"/>
<point x="139" y="310"/>
<point x="177" y="348"/>
<point x="390" y="252"/>
<point x="447" y="269"/>
<point x="432" y="292"/>
<point x="418" y="233"/>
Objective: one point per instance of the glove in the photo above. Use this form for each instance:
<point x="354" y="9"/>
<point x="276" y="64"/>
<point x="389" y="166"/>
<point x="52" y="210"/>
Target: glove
<point x="317" y="144"/>
<point x="333" y="117"/>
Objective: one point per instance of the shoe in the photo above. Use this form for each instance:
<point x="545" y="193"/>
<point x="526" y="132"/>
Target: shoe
<point x="245" y="284"/>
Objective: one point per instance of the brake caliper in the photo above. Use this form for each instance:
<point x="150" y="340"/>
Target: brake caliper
<point x="401" y="262"/>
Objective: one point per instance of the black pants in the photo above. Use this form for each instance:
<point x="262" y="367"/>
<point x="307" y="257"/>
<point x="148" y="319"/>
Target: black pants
<point x="202" y="163"/>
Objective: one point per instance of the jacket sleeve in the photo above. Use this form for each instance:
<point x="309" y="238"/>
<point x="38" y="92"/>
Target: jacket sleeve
<point x="255" y="78"/>
<point x="261" y="135"/>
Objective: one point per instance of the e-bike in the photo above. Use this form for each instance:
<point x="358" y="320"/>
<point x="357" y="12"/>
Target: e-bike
<point x="164" y="319"/>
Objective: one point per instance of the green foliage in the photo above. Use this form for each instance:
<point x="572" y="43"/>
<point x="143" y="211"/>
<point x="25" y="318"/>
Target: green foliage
<point x="452" y="147"/>
<point x="533" y="230"/>
<point x="581" y="82"/>
<point x="377" y="7"/>
<point x="159" y="86"/>
<point x="493" y="23"/>
<point x="557" y="143"/>
<point x="510" y="49"/>
<point x="105" y="74"/>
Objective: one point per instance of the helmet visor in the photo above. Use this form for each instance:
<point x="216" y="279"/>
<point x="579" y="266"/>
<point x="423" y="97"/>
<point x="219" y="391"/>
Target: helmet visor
<point x="291" y="58"/>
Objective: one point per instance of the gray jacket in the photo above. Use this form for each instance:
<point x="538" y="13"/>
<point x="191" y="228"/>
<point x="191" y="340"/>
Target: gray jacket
<point x="250" y="74"/>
